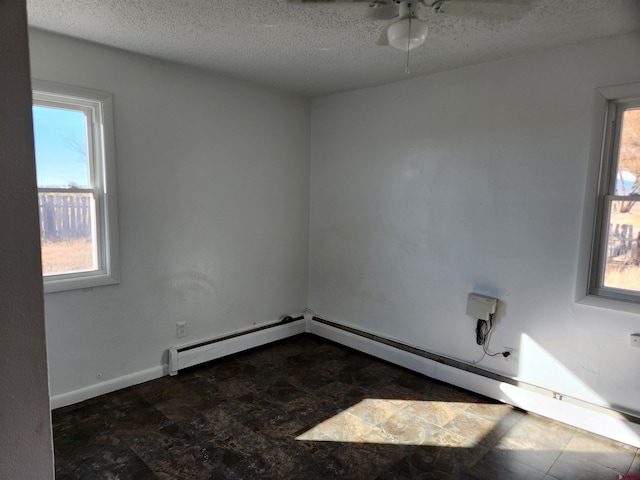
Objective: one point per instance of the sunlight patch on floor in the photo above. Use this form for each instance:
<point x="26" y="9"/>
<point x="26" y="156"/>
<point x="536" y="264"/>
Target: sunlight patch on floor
<point x="407" y="422"/>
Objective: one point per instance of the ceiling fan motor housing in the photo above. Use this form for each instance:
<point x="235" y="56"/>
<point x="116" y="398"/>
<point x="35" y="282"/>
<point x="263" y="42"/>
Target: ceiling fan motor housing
<point x="408" y="32"/>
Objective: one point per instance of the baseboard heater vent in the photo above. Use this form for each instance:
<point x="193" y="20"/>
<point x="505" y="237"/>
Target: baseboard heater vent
<point x="192" y="355"/>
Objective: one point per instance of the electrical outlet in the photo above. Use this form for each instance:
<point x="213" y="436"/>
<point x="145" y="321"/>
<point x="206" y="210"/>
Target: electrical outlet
<point x="181" y="329"/>
<point x="512" y="354"/>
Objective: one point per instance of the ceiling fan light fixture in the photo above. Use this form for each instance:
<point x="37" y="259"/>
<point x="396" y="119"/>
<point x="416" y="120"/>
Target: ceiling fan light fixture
<point x="407" y="34"/>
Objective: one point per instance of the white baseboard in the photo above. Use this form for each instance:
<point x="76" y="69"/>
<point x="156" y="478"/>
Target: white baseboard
<point x="107" y="386"/>
<point x="180" y="358"/>
<point x="215" y="350"/>
<point x="536" y="400"/>
<point x="608" y="425"/>
<point x="379" y="350"/>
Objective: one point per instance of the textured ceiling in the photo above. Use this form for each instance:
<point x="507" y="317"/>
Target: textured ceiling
<point x="317" y="49"/>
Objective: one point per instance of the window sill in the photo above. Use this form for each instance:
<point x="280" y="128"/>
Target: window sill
<point x="62" y="284"/>
<point x="599" y="301"/>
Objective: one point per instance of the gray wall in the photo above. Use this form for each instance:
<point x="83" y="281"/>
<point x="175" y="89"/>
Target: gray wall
<point x="25" y="423"/>
<point x="213" y="198"/>
<point x="479" y="179"/>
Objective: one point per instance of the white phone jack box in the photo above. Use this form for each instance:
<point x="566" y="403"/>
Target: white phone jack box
<point x="481" y="306"/>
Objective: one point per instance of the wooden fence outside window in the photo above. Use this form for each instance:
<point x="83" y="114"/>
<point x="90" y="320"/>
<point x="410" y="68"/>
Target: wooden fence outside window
<point x="64" y="216"/>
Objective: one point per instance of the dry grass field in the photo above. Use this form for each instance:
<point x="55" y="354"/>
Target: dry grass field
<point x="61" y="257"/>
<point x="625" y="276"/>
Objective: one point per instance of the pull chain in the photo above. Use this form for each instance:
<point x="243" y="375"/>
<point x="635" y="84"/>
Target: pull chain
<point x="406" y="70"/>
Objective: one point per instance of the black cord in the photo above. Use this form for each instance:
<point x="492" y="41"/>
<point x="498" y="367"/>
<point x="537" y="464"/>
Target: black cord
<point x="483" y="335"/>
<point x="482" y="331"/>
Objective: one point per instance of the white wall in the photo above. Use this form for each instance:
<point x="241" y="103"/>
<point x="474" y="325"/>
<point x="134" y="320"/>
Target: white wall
<point x="472" y="180"/>
<point x="475" y="180"/>
<point x="213" y="189"/>
<point x="26" y="450"/>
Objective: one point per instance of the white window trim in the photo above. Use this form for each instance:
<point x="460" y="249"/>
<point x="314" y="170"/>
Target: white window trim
<point x="99" y="105"/>
<point x="614" y="97"/>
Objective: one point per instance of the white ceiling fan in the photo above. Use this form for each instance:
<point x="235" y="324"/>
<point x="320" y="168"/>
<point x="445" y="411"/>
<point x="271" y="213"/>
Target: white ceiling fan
<point x="407" y="31"/>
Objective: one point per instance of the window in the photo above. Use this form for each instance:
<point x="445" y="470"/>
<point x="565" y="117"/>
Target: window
<point x="76" y="186"/>
<point x="616" y="264"/>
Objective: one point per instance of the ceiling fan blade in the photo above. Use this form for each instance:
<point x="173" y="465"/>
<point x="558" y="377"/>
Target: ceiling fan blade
<point x="378" y="9"/>
<point x="383" y="11"/>
<point x="383" y="40"/>
<point x="336" y="1"/>
<point x="484" y="8"/>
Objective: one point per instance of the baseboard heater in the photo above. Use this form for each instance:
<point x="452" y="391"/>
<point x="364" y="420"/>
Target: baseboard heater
<point x="608" y="420"/>
<point x="192" y="355"/>
<point x="612" y="411"/>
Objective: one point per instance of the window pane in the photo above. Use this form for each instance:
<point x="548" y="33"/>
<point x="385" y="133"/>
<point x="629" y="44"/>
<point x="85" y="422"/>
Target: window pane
<point x="66" y="232"/>
<point x="622" y="265"/>
<point x="61" y="147"/>
<point x="628" y="170"/>
<point x="75" y="164"/>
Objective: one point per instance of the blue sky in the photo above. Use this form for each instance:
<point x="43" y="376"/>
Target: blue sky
<point x="57" y="163"/>
<point x="629" y="179"/>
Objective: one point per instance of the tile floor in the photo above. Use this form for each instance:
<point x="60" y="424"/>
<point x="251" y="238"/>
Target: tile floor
<point x="309" y="409"/>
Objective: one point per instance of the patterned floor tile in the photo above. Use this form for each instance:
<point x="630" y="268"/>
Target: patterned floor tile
<point x="309" y="409"/>
<point x="574" y="466"/>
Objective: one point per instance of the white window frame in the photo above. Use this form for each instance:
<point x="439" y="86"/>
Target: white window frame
<point x="102" y="181"/>
<point x="617" y="98"/>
